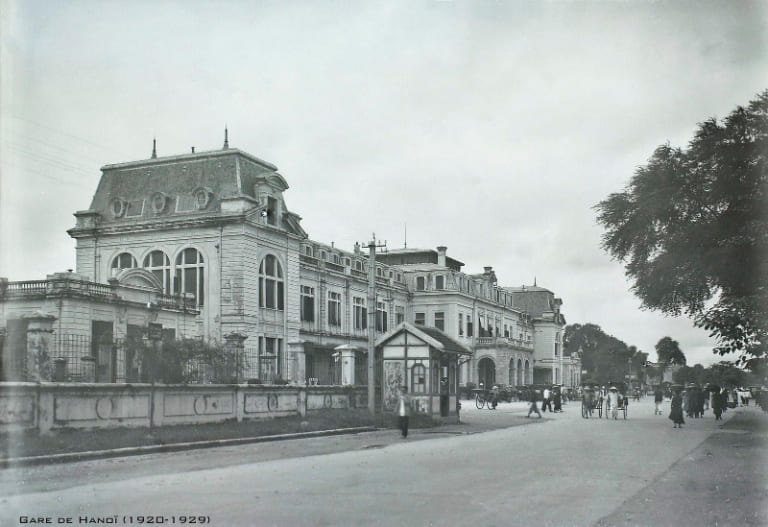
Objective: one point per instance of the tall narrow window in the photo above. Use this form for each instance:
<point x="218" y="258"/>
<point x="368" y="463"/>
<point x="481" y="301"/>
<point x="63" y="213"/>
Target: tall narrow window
<point x="307" y="303"/>
<point x="123" y="261"/>
<point x="158" y="264"/>
<point x="399" y="315"/>
<point x="419" y="319"/>
<point x="418" y="379"/>
<point x="381" y="317"/>
<point x="461" y="324"/>
<point x="420" y="283"/>
<point x="360" y="313"/>
<point x="271" y="284"/>
<point x="440" y="320"/>
<point x="189" y="276"/>
<point x="271" y="210"/>
<point x="470" y="327"/>
<point x="334" y="308"/>
<point x="439" y="282"/>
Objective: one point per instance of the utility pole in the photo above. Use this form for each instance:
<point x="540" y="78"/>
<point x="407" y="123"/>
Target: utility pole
<point x="372" y="245"/>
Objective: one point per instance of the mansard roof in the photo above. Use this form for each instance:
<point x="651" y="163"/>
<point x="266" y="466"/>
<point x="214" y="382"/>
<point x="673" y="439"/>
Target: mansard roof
<point x="194" y="183"/>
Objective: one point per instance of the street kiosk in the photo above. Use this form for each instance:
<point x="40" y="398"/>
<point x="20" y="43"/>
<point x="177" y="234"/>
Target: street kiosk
<point x="426" y="361"/>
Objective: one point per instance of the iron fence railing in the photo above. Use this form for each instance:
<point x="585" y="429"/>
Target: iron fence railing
<point x="79" y="358"/>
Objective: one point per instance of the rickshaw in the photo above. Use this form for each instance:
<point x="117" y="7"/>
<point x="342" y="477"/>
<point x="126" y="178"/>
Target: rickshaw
<point x="591" y="400"/>
<point x="623" y="398"/>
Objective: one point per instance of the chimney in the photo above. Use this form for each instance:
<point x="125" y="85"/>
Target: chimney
<point x="487" y="269"/>
<point x="441" y="256"/>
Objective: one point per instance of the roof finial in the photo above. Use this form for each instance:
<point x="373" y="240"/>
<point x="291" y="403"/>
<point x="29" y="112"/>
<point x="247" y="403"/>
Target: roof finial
<point x="154" y="148"/>
<point x="226" y="138"/>
<point x="534" y="281"/>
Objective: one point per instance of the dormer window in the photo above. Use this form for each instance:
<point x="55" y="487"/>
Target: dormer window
<point x="308" y="250"/>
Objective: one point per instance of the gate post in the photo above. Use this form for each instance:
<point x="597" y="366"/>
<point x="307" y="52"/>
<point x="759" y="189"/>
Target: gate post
<point x="39" y="366"/>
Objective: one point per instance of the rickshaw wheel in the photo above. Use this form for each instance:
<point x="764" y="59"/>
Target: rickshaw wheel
<point x="584" y="410"/>
<point x="479" y="402"/>
<point x="625" y="412"/>
<point x="600" y="411"/>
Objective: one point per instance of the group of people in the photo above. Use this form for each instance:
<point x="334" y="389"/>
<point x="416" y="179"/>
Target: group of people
<point x="549" y="397"/>
<point x="693" y="401"/>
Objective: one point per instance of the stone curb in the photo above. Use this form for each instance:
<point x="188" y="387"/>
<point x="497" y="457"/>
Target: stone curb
<point x="173" y="447"/>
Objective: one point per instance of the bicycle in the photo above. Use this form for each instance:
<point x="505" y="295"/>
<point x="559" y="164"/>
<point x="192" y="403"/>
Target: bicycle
<point x="483" y="398"/>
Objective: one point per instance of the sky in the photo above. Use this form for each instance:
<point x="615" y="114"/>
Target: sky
<point x="489" y="127"/>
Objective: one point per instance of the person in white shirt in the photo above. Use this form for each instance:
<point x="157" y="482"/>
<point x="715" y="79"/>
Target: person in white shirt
<point x="546" y="400"/>
<point x="613" y="401"/>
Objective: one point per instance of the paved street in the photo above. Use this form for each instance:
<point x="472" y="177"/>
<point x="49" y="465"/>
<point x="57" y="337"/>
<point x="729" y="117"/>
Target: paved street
<point x="561" y="470"/>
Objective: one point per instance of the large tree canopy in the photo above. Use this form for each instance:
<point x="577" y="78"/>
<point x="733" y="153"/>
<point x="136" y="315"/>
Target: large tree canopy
<point x="669" y="352"/>
<point x="692" y="230"/>
<point x="603" y="356"/>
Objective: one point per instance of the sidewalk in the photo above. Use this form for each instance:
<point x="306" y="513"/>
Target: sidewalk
<point x="721" y="482"/>
<point x="26" y="449"/>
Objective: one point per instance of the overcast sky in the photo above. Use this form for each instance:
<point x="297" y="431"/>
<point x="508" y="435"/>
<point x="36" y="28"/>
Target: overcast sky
<point x="492" y="128"/>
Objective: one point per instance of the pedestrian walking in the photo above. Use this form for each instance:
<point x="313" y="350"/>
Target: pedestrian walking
<point x="546" y="400"/>
<point x="403" y="411"/>
<point x="676" y="410"/>
<point x="658" y="398"/>
<point x="558" y="399"/>
<point x="613" y="401"/>
<point x="717" y="403"/>
<point x="533" y="407"/>
<point x="494" y="396"/>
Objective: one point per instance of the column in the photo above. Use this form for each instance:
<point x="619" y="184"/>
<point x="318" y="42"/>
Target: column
<point x="296" y="349"/>
<point x="347" y="363"/>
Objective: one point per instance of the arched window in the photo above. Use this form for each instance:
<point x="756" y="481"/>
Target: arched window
<point x="418" y="379"/>
<point x="158" y="264"/>
<point x="189" y="274"/>
<point x="271" y="286"/>
<point x="123" y="261"/>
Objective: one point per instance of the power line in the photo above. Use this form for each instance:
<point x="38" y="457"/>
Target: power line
<point x="55" y="162"/>
<point x="34" y="123"/>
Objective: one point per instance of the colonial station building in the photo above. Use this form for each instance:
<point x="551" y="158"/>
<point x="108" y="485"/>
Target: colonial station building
<point x="203" y="245"/>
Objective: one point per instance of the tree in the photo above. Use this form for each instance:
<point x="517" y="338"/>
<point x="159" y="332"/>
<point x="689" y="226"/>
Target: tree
<point x="605" y="357"/>
<point x="669" y="352"/>
<point x="692" y="230"/>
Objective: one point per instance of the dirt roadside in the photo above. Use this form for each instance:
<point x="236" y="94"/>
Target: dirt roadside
<point x="722" y="482"/>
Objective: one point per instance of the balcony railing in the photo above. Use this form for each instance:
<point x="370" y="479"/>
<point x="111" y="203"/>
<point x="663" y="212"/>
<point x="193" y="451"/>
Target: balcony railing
<point x="63" y="286"/>
<point x="28" y="287"/>
<point x="504" y="341"/>
<point x="334" y="267"/>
